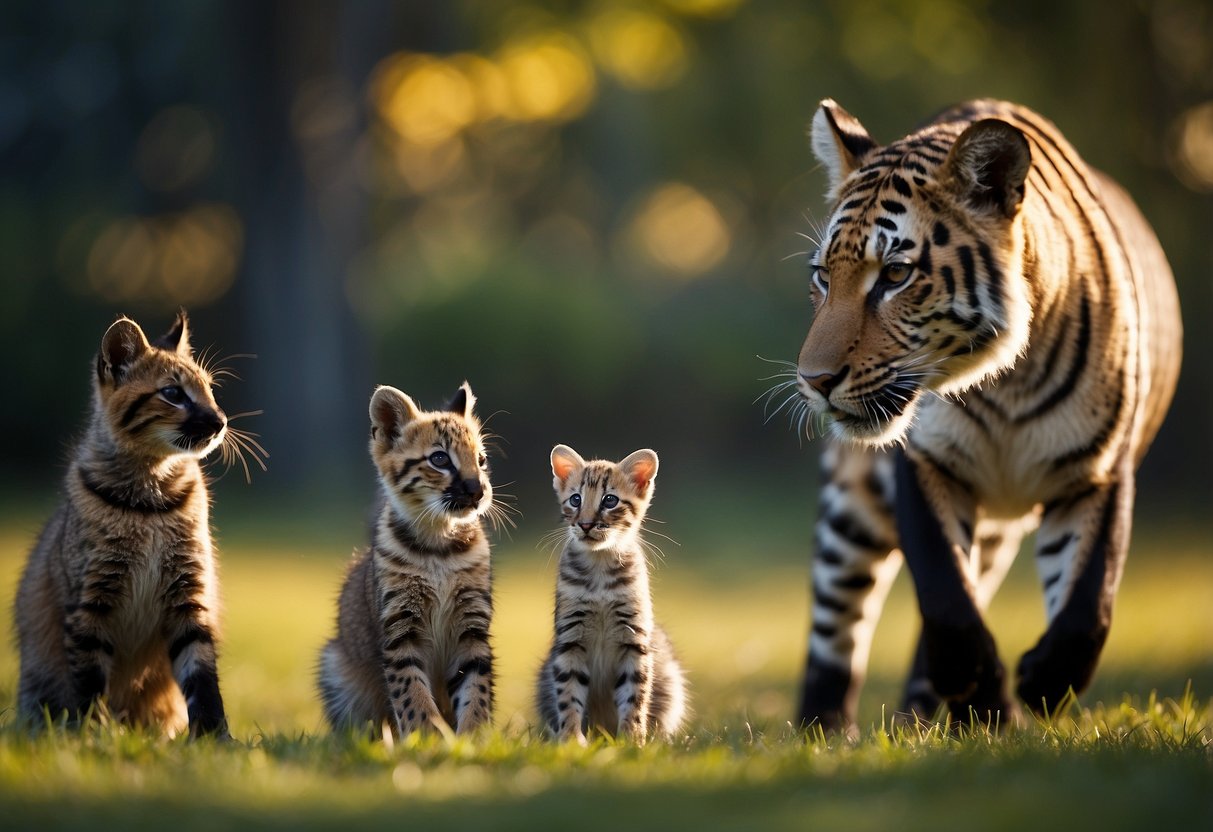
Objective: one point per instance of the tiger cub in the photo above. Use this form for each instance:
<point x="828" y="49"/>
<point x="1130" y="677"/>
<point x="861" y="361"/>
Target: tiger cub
<point x="412" y="647"/>
<point x="611" y="666"/>
<point x="119" y="600"/>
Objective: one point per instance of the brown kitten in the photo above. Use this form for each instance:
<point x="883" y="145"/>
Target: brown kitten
<point x="412" y="647"/>
<point x="119" y="599"/>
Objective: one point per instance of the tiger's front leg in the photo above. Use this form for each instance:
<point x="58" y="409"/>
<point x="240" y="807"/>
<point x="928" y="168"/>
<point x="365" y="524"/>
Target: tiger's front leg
<point x="1081" y="549"/>
<point x="852" y="570"/>
<point x="959" y="654"/>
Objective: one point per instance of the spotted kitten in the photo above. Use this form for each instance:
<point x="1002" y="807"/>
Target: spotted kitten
<point x="412" y="646"/>
<point x="119" y="600"/>
<point x="611" y="666"/>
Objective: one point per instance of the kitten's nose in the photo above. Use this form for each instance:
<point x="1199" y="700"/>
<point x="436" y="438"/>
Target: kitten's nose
<point x="585" y="527"/>
<point x="473" y="488"/>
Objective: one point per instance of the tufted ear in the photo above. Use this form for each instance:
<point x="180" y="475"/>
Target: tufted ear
<point x="641" y="468"/>
<point x="564" y="462"/>
<point x="391" y="410"/>
<point x="122" y="343"/>
<point x="839" y="142"/>
<point x="177" y="339"/>
<point x="463" y="401"/>
<point x="988" y="165"/>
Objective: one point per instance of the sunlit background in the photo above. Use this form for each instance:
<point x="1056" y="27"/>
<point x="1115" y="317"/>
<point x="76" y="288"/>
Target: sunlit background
<point x="591" y="210"/>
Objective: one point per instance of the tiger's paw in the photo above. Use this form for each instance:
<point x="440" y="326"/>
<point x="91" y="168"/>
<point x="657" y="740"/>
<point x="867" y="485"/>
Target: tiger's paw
<point x="957" y="657"/>
<point x="1060" y="662"/>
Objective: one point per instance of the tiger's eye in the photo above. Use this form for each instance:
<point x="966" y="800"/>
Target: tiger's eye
<point x="440" y="459"/>
<point x="896" y="272"/>
<point x="173" y="394"/>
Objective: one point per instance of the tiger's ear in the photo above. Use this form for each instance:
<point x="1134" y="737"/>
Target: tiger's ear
<point x="121" y="345"/>
<point x="391" y="410"/>
<point x="463" y="401"/>
<point x="564" y="462"/>
<point x="641" y="468"/>
<point x="177" y="339"/>
<point x="988" y="165"/>
<point x="839" y="142"/>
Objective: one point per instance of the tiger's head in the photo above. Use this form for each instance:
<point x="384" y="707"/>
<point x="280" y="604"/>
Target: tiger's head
<point x="917" y="282"/>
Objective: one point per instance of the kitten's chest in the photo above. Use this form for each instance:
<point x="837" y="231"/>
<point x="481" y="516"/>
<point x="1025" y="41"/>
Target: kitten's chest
<point x="152" y="557"/>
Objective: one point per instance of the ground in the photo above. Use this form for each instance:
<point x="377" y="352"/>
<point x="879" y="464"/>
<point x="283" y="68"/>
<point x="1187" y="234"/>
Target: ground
<point x="1136" y="750"/>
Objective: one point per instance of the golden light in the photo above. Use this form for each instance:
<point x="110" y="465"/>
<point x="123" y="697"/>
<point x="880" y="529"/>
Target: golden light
<point x="425" y="99"/>
<point x="199" y="252"/>
<point x="186" y="258"/>
<point x="639" y="48"/>
<point x="122" y="260"/>
<point x="681" y="230"/>
<point x="1193" y="148"/>
<point x="704" y="8"/>
<point x="489" y="85"/>
<point x="550" y="77"/>
<point x="426" y="168"/>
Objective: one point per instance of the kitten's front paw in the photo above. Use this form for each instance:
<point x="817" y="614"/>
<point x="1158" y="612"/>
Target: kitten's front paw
<point x="574" y="735"/>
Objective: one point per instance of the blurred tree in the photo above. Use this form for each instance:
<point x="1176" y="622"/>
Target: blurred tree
<point x="590" y="210"/>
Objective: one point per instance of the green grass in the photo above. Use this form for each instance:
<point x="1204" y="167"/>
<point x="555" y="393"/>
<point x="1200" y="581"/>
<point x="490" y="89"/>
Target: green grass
<point x="1123" y="758"/>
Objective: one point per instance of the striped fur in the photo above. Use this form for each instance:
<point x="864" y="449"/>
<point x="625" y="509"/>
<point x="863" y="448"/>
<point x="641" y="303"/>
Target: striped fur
<point x="1005" y="316"/>
<point x="611" y="667"/>
<point x="119" y="600"/>
<point x="412" y="647"/>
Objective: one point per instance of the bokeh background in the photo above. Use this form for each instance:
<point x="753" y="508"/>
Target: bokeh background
<point x="591" y="210"/>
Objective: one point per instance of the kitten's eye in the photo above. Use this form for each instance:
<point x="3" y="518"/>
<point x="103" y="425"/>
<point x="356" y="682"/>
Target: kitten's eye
<point x="173" y="395"/>
<point x="610" y="501"/>
<point x="896" y="273"/>
<point x="821" y="278"/>
<point x="575" y="501"/>
<point x="482" y="460"/>
<point x="440" y="459"/>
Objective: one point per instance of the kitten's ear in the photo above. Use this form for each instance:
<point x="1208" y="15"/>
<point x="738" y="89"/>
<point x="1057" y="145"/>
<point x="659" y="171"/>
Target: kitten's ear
<point x="640" y="467"/>
<point x="839" y="142"/>
<point x="988" y="165"/>
<point x="564" y="462"/>
<point x="463" y="401"/>
<point x="177" y="339"/>
<point x="122" y="343"/>
<point x="391" y="410"/>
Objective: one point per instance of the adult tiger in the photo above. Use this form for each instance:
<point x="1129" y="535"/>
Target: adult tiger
<point x="1004" y="315"/>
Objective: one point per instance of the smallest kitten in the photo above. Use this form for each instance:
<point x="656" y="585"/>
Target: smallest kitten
<point x="611" y="666"/>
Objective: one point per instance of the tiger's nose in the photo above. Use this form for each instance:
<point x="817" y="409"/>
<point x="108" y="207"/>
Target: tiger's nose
<point x="824" y="383"/>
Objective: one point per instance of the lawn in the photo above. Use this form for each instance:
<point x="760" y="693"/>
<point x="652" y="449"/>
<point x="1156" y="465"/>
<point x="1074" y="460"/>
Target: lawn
<point x="1136" y="752"/>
